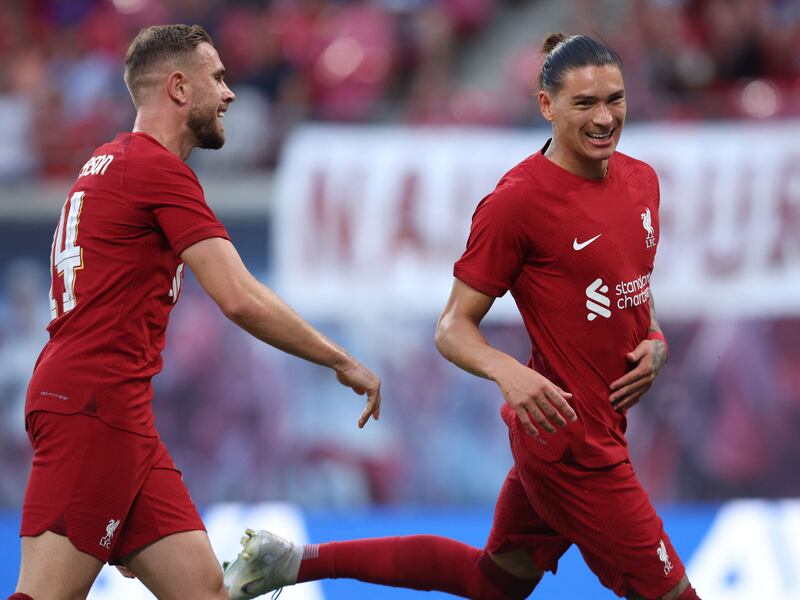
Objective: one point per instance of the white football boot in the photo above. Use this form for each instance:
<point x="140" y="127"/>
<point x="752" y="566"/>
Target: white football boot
<point x="267" y="562"/>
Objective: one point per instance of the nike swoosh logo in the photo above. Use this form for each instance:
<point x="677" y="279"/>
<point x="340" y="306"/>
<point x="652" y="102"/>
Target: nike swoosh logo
<point x="581" y="245"/>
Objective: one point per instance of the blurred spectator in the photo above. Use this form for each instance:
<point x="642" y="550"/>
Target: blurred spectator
<point x="24" y="314"/>
<point x="367" y="60"/>
<point x="248" y="423"/>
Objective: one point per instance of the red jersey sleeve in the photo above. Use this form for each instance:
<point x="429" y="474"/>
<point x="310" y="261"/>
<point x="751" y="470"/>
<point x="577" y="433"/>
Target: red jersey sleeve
<point x="170" y="191"/>
<point x="497" y="246"/>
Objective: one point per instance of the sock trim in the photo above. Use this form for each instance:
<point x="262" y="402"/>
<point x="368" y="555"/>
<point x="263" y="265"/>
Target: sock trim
<point x="310" y="551"/>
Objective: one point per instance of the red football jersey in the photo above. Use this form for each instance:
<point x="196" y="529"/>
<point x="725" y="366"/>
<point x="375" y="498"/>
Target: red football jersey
<point x="116" y="274"/>
<point x="577" y="255"/>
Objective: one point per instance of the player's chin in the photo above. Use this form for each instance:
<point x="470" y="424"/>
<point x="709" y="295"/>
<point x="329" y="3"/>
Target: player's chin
<point x="219" y="135"/>
<point x="600" y="154"/>
<point x="213" y="142"/>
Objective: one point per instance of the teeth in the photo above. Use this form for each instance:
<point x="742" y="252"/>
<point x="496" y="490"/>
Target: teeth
<point x="598" y="136"/>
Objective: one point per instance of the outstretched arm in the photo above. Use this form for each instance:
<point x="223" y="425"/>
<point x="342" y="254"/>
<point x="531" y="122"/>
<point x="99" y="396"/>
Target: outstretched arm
<point x="646" y="362"/>
<point x="459" y="339"/>
<point x="259" y="311"/>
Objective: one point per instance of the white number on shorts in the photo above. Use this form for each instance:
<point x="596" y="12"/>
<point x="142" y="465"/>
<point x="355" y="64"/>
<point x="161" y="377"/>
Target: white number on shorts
<point x="66" y="257"/>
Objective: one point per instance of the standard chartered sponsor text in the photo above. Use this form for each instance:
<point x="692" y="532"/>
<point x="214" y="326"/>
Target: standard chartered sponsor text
<point x="634" y="292"/>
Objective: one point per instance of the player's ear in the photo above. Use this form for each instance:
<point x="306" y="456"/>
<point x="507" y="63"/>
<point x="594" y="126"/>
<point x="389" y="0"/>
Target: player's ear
<point x="546" y="105"/>
<point x="177" y="87"/>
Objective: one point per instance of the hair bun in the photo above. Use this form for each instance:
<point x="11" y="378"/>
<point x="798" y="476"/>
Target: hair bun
<point x="551" y="41"/>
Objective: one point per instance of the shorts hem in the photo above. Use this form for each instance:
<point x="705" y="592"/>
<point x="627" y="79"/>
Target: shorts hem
<point x="65" y="533"/>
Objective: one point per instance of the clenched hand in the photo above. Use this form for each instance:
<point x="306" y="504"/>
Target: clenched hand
<point x="646" y="361"/>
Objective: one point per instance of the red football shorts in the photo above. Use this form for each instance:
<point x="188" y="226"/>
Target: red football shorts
<point x="544" y="508"/>
<point x="111" y="492"/>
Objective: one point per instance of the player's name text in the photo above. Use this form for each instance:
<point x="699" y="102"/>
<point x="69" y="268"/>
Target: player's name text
<point x="97" y="165"/>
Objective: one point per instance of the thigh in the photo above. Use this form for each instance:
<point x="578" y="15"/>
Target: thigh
<point x="635" y="555"/>
<point x="608" y="515"/>
<point x="52" y="568"/>
<point x="84" y="478"/>
<point x="179" y="566"/>
<point x="518" y="528"/>
<point x="162" y="507"/>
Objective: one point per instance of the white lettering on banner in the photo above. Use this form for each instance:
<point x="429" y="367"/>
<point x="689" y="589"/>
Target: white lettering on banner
<point x="751" y="551"/>
<point x="370" y="220"/>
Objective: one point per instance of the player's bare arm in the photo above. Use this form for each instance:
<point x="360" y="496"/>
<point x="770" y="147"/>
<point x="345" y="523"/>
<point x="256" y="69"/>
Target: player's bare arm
<point x="259" y="311"/>
<point x="459" y="339"/>
<point x="646" y="361"/>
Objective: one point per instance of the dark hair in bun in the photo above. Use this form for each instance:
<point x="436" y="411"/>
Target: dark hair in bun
<point x="551" y="41"/>
<point x="563" y="53"/>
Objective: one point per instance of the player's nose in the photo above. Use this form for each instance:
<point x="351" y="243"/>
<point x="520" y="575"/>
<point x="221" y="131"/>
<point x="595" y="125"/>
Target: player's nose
<point x="227" y="95"/>
<point x="602" y="116"/>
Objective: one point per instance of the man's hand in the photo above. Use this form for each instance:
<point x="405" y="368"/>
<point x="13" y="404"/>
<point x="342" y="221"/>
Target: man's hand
<point x="646" y="359"/>
<point x="532" y="395"/>
<point x="363" y="381"/>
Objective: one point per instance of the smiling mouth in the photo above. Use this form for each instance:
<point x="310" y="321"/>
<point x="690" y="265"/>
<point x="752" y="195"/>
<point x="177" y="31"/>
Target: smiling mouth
<point x="600" y="137"/>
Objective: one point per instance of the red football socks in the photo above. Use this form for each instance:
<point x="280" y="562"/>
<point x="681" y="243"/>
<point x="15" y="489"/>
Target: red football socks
<point x="689" y="594"/>
<point x="420" y="562"/>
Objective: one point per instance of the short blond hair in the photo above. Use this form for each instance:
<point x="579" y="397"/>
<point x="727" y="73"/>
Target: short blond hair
<point x="154" y="45"/>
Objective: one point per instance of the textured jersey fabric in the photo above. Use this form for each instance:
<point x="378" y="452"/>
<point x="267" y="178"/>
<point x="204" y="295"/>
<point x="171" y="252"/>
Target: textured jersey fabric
<point x="577" y="255"/>
<point x="545" y="507"/>
<point x="111" y="492"/>
<point x="116" y="274"/>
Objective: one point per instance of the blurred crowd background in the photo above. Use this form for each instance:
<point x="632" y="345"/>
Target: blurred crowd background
<point x="406" y="61"/>
<point x="245" y="422"/>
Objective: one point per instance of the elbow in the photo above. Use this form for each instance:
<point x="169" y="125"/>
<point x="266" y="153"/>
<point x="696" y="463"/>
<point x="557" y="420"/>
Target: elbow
<point x="237" y="301"/>
<point x="442" y="334"/>
<point x="235" y="308"/>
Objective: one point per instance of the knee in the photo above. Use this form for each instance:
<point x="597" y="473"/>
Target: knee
<point x="206" y="583"/>
<point x="217" y="587"/>
<point x="517" y="563"/>
<point x="500" y="584"/>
